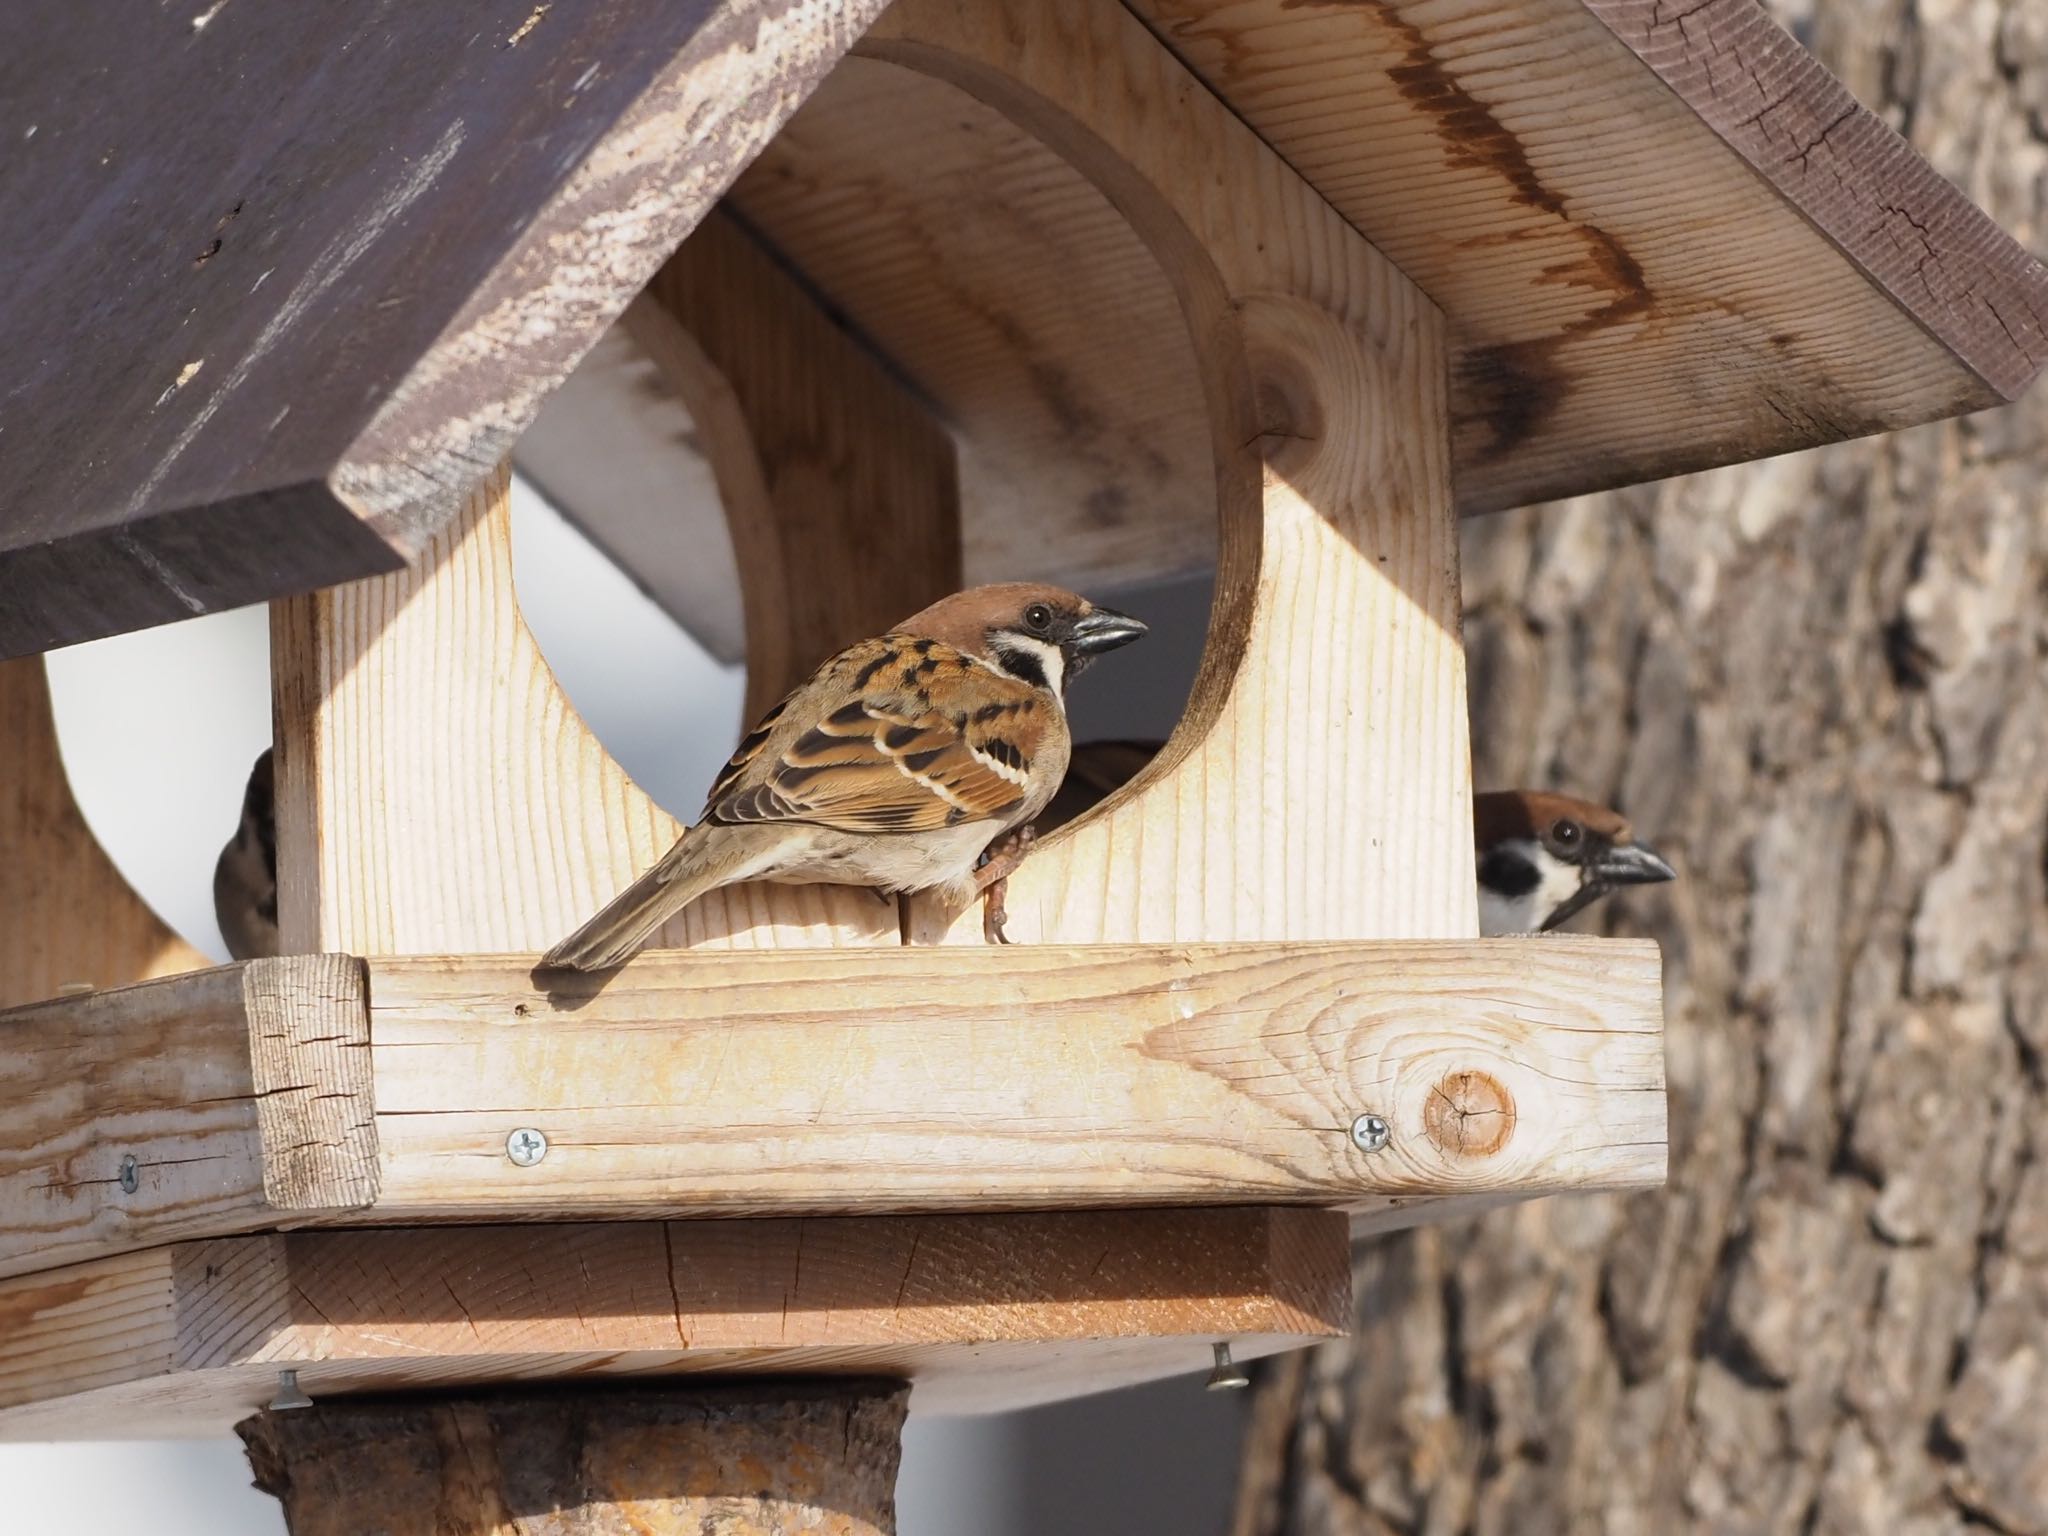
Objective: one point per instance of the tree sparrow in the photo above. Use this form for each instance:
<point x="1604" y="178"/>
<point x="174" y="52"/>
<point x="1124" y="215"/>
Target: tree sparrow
<point x="1544" y="857"/>
<point x="896" y="765"/>
<point x="1541" y="857"/>
<point x="245" y="876"/>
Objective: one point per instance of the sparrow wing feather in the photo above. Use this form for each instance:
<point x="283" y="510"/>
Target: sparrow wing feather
<point x="910" y="736"/>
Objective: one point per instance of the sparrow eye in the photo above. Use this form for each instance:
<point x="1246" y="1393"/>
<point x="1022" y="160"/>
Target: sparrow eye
<point x="1565" y="833"/>
<point x="1038" y="618"/>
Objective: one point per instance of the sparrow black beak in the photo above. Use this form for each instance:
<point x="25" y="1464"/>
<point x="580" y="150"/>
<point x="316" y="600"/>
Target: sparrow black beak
<point x="1101" y="630"/>
<point x="1631" y="864"/>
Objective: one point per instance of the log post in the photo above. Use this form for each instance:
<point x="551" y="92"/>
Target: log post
<point x="614" y="1461"/>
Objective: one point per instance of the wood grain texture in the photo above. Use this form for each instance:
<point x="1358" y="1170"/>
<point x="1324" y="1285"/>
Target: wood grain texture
<point x="223" y="1101"/>
<point x="1333" y="679"/>
<point x="325" y="305"/>
<point x="309" y="1056"/>
<point x="67" y="917"/>
<point x="841" y="493"/>
<point x="979" y="1314"/>
<point x="1012" y="292"/>
<point x="436" y="792"/>
<point x="1647" y="271"/>
<point x="1022" y="1076"/>
<point x="613" y="1461"/>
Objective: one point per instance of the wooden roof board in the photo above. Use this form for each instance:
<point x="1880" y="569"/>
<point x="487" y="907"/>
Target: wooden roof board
<point x="1665" y="236"/>
<point x="283" y="285"/>
<point x="284" y="280"/>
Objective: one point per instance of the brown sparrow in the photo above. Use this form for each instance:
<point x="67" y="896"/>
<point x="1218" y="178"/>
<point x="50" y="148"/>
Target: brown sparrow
<point x="895" y="765"/>
<point x="1544" y="857"/>
<point x="245" y="875"/>
<point x="1541" y="857"/>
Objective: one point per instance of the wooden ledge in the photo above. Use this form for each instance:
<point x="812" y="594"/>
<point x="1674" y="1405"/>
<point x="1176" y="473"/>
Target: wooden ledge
<point x="978" y="1313"/>
<point x="325" y="1090"/>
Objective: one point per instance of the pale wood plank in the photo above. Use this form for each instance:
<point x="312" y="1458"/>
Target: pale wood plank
<point x="67" y="917"/>
<point x="979" y="1314"/>
<point x="222" y="1101"/>
<point x="436" y="792"/>
<point x="1318" y="786"/>
<point x="1051" y="1076"/>
<point x="315" y="1090"/>
<point x="840" y="490"/>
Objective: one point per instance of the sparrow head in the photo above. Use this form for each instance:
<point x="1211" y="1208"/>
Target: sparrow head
<point x="1041" y="635"/>
<point x="1544" y="857"/>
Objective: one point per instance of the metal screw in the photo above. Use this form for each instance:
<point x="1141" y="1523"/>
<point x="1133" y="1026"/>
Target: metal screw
<point x="129" y="1180"/>
<point x="1369" y="1133"/>
<point x="526" y="1146"/>
<point x="288" y="1393"/>
<point x="1225" y="1376"/>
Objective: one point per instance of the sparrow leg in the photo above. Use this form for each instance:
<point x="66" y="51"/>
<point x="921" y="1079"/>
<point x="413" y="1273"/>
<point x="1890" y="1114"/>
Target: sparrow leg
<point x="992" y="880"/>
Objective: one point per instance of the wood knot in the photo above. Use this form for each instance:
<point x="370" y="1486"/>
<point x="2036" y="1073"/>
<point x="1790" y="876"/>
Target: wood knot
<point x="1469" y="1115"/>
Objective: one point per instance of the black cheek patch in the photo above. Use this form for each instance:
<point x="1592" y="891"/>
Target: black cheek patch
<point x="1508" y="874"/>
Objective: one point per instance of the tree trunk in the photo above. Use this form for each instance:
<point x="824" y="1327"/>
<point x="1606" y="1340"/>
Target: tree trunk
<point x="1821" y="684"/>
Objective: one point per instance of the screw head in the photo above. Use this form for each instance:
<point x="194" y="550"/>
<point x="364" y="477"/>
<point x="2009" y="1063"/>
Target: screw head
<point x="1369" y="1133"/>
<point x="130" y="1180"/>
<point x="1226" y="1375"/>
<point x="526" y="1146"/>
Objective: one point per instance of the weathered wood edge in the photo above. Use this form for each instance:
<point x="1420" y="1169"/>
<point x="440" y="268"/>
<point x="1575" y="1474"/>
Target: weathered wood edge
<point x="582" y="258"/>
<point x="309" y="1056"/>
<point x="1940" y="257"/>
<point x="212" y="1102"/>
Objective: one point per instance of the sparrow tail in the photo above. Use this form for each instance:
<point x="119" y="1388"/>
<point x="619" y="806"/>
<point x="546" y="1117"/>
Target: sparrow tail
<point x="695" y="865"/>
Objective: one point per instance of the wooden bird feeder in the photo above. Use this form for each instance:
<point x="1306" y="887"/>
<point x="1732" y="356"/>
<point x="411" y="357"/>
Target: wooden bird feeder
<point x="1070" y="289"/>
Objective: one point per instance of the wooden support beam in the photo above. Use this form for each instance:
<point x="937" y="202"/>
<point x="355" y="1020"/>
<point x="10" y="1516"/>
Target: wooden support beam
<point x="292" y="1091"/>
<point x="1319" y="784"/>
<point x="841" y="492"/>
<point x="224" y="1101"/>
<point x="609" y="1461"/>
<point x="67" y="917"/>
<point x="979" y="1314"/>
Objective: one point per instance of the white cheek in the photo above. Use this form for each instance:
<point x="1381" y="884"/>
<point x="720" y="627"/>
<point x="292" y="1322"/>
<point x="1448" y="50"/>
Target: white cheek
<point x="1560" y="883"/>
<point x="1049" y="657"/>
<point x="1504" y="914"/>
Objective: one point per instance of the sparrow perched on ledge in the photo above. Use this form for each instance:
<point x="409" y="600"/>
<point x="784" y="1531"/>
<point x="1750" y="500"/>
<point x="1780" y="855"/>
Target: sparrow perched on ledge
<point x="895" y="765"/>
<point x="245" y="875"/>
<point x="1542" y="858"/>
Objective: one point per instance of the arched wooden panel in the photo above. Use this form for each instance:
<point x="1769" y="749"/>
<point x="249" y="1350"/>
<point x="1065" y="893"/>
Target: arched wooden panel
<point x="1319" y="784"/>
<point x="436" y="792"/>
<point x="67" y="917"/>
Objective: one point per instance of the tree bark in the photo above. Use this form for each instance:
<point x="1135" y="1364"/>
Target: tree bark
<point x="614" y="1461"/>
<point x="1821" y="683"/>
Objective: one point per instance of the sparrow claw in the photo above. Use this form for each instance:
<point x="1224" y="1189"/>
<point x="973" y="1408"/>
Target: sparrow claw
<point x="993" y="914"/>
<point x="1002" y="856"/>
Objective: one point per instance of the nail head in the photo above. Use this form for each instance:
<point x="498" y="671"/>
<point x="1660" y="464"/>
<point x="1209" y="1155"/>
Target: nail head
<point x="1226" y="1375"/>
